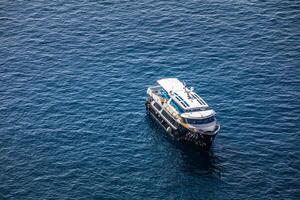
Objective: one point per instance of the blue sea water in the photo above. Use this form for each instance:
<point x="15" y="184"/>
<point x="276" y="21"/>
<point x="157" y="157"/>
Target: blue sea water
<point x="73" y="80"/>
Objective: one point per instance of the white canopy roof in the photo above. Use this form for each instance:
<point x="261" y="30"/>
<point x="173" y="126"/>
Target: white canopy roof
<point x="171" y="84"/>
<point x="187" y="99"/>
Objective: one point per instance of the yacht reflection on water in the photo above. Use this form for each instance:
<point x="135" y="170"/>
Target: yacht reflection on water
<point x="199" y="162"/>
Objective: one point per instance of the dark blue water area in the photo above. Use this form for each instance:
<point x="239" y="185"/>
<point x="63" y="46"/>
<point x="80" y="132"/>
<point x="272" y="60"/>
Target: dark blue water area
<point x="73" y="82"/>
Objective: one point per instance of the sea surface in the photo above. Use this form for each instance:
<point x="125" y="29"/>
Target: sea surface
<point x="73" y="80"/>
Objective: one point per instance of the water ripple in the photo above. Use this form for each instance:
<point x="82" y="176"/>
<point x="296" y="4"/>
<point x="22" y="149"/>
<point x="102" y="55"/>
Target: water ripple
<point x="73" y="83"/>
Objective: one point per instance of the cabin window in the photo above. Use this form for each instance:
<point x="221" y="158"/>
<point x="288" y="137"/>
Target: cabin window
<point x="198" y="109"/>
<point x="200" y="121"/>
<point x="157" y="106"/>
<point x="168" y="117"/>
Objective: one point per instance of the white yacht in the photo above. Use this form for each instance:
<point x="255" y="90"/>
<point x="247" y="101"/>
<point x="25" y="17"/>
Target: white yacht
<point x="182" y="113"/>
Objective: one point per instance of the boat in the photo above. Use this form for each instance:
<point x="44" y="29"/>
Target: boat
<point x="182" y="113"/>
